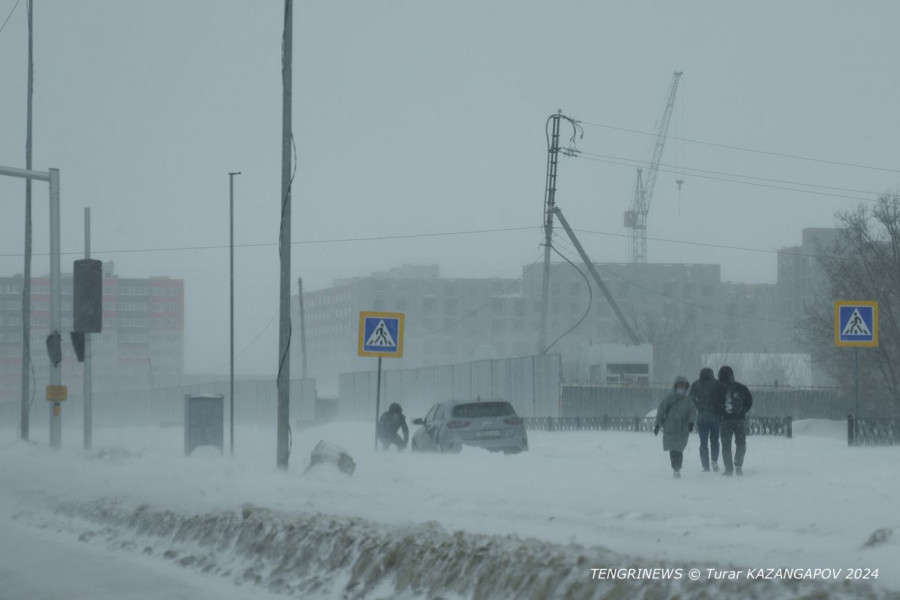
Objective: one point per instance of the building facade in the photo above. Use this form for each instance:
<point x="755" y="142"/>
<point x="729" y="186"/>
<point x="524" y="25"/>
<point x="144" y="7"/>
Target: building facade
<point x="142" y="342"/>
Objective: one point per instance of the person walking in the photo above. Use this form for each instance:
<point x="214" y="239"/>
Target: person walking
<point x="703" y="394"/>
<point x="675" y="415"/>
<point x="390" y="422"/>
<point x="732" y="404"/>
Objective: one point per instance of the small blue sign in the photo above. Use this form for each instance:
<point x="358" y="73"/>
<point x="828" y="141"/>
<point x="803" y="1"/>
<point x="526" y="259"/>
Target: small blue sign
<point x="856" y="323"/>
<point x="381" y="334"/>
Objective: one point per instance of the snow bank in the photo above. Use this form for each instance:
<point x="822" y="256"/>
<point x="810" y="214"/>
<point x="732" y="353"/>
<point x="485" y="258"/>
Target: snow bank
<point x="317" y="556"/>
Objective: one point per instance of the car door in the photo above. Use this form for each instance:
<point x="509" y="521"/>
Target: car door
<point x="424" y="437"/>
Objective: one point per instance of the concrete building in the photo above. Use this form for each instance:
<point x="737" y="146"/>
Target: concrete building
<point x="142" y="343"/>
<point x="447" y="321"/>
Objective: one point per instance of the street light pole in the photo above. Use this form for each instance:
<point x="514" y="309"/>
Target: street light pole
<point x="231" y="301"/>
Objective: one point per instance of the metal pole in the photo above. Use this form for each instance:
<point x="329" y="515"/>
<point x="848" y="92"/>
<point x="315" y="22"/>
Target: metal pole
<point x="302" y="328"/>
<point x="231" y="301"/>
<point x="88" y="384"/>
<point x="632" y="335"/>
<point x="26" y="283"/>
<point x="856" y="380"/>
<point x="55" y="304"/>
<point x="549" y="203"/>
<point x="284" y="334"/>
<point x="377" y="402"/>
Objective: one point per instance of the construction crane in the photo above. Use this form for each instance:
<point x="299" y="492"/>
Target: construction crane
<point x="636" y="218"/>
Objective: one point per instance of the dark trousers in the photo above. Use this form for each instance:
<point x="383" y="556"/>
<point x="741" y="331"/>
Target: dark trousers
<point x="388" y="438"/>
<point x="676" y="458"/>
<point x="738" y="429"/>
<point x="708" y="428"/>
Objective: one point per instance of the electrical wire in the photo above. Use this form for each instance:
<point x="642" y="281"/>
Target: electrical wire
<point x="693" y="171"/>
<point x="586" y="311"/>
<point x="746" y="149"/>
<point x="9" y="16"/>
<point x="293" y="243"/>
<point x="634" y="163"/>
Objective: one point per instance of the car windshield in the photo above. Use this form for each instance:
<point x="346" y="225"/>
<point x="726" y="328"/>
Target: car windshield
<point x="483" y="409"/>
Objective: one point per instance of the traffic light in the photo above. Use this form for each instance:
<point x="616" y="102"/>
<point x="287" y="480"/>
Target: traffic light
<point x="78" y="344"/>
<point x="87" y="303"/>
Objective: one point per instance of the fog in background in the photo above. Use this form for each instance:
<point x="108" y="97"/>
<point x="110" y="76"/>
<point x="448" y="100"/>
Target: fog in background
<point x="425" y="117"/>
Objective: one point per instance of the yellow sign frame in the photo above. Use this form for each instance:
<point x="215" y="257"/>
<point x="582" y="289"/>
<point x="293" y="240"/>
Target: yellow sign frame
<point x="363" y="316"/>
<point x="838" y="304"/>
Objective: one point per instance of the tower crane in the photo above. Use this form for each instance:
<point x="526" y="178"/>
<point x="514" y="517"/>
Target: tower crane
<point x="636" y="218"/>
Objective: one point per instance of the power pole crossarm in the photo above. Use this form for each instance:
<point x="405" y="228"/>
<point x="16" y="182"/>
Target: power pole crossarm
<point x="602" y="286"/>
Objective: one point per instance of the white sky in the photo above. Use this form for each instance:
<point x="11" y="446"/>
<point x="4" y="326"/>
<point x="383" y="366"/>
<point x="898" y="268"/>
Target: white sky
<point x="425" y="117"/>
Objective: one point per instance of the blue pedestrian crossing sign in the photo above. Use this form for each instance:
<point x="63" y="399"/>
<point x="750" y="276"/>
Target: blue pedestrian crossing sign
<point x="856" y="323"/>
<point x="381" y="334"/>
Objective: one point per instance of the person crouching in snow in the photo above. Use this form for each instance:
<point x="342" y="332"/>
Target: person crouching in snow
<point x="676" y="415"/>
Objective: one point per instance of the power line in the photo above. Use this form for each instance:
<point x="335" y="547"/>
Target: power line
<point x="295" y="243"/>
<point x="587" y="310"/>
<point x="634" y="163"/>
<point x="726" y="173"/>
<point x="746" y="149"/>
<point x="9" y="16"/>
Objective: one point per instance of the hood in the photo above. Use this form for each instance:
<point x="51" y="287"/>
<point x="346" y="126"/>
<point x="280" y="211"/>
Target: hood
<point x="681" y="379"/>
<point x="726" y="375"/>
<point x="706" y="373"/>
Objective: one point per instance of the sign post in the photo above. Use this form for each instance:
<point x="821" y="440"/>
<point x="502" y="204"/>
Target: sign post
<point x="381" y="335"/>
<point x="856" y="326"/>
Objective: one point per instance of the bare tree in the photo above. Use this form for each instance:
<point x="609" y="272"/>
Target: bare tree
<point x="864" y="265"/>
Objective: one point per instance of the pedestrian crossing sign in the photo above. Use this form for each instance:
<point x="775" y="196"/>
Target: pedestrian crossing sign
<point x="856" y="323"/>
<point x="381" y="334"/>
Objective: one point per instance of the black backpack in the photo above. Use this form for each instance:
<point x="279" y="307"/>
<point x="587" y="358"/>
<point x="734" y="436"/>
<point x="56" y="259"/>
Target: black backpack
<point x="734" y="401"/>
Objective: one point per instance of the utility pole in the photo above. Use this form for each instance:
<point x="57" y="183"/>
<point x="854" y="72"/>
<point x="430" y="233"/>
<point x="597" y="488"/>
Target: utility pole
<point x="302" y="327"/>
<point x="231" y="301"/>
<point x="549" y="203"/>
<point x="26" y="283"/>
<point x="87" y="386"/>
<point x="553" y="150"/>
<point x="284" y="334"/>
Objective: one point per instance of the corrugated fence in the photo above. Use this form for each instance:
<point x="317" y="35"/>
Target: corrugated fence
<point x="530" y="383"/>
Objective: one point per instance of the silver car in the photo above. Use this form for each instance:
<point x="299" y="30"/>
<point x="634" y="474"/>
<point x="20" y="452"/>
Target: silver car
<point x="493" y="425"/>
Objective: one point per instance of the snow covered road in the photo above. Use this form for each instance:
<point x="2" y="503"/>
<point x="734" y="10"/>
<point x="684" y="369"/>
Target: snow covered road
<point x="808" y="502"/>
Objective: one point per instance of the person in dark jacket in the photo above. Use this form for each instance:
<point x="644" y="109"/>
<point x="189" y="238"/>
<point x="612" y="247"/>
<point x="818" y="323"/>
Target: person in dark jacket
<point x="703" y="393"/>
<point x="675" y="415"/>
<point x="389" y="424"/>
<point x="732" y="404"/>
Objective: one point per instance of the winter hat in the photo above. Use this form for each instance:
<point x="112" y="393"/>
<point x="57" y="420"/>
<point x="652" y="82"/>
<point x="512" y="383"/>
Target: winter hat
<point x="706" y="373"/>
<point x="681" y="381"/>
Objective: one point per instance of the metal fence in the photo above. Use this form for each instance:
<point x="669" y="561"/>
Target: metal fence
<point x="775" y="426"/>
<point x="595" y="400"/>
<point x="872" y="431"/>
<point x="530" y="383"/>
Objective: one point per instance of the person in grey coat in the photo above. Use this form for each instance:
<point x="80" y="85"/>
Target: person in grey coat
<point x="676" y="416"/>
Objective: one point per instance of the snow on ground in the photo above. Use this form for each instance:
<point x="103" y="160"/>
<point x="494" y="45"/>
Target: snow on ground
<point x="535" y="524"/>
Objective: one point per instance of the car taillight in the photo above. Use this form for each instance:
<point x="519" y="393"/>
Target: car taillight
<point x="513" y="421"/>
<point x="456" y="424"/>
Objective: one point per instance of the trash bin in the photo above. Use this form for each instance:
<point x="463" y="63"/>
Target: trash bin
<point x="204" y="421"/>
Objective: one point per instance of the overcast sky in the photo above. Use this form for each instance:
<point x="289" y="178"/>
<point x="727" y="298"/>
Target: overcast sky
<point x="424" y="117"/>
